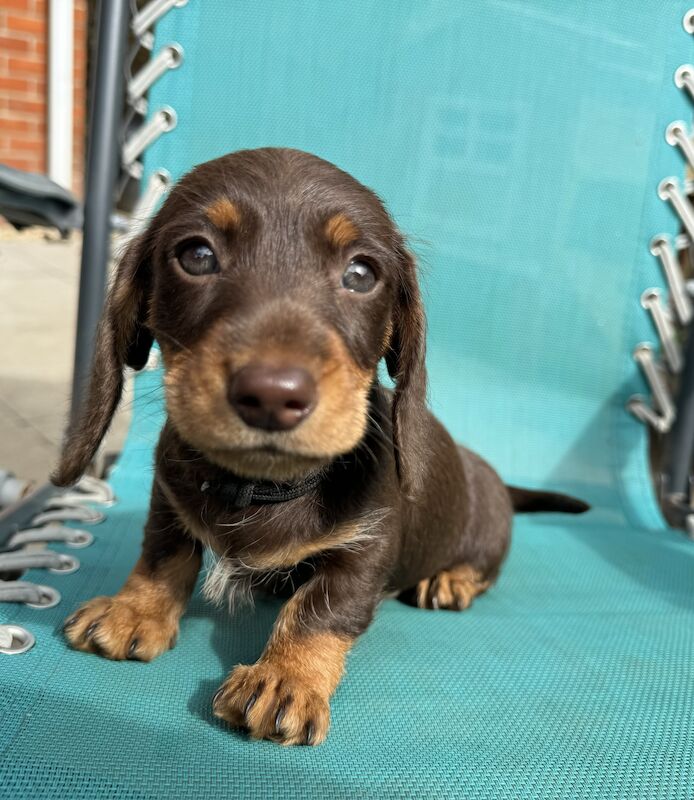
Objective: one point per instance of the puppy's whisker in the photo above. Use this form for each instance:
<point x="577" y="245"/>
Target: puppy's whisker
<point x="377" y="426"/>
<point x="175" y="341"/>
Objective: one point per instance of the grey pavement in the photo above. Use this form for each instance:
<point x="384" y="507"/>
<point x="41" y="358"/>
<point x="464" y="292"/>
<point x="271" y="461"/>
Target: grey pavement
<point x="39" y="281"/>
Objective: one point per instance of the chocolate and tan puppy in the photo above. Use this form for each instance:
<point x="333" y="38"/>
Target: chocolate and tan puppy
<point x="274" y="284"/>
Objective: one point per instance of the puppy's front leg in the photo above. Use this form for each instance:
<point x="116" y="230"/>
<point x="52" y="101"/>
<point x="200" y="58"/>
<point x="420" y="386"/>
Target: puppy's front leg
<point x="285" y="695"/>
<point x="141" y="621"/>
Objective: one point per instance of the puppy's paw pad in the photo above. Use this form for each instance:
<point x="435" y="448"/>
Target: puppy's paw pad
<point x="271" y="703"/>
<point x="452" y="589"/>
<point x="118" y="628"/>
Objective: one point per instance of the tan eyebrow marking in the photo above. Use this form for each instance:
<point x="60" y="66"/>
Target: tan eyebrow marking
<point x="223" y="213"/>
<point x="340" y="230"/>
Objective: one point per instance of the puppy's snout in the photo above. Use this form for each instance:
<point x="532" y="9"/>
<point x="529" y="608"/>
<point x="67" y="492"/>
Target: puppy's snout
<point x="272" y="398"/>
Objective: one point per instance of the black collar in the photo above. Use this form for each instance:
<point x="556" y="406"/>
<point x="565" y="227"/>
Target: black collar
<point x="242" y="492"/>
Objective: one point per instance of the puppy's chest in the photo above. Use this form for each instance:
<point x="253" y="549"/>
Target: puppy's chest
<point x="248" y="546"/>
<point x="261" y="545"/>
<point x="263" y="537"/>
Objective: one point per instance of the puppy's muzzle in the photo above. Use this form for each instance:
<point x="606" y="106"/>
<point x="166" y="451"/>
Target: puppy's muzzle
<point x="272" y="398"/>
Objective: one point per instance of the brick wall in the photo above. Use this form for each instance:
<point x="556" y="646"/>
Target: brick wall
<point x="23" y="85"/>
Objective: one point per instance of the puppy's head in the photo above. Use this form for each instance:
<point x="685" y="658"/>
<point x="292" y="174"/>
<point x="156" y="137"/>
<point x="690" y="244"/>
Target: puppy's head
<point x="274" y="283"/>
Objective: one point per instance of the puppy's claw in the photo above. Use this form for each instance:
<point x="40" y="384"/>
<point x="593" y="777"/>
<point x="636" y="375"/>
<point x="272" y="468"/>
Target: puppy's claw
<point x="119" y="628"/>
<point x="216" y="697"/>
<point x="73" y="620"/>
<point x="91" y="630"/>
<point x="251" y="702"/>
<point x="274" y="704"/>
<point x="280" y="714"/>
<point x="310" y="733"/>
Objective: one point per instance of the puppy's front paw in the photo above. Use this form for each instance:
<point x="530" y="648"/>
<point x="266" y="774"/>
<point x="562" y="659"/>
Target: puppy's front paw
<point x="273" y="704"/>
<point x="119" y="628"/>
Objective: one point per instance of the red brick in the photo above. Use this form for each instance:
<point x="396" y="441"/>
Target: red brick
<point x="14" y="84"/>
<point x="31" y="145"/>
<point x="31" y="24"/>
<point x="27" y="106"/>
<point x="20" y="5"/>
<point x="15" y="126"/>
<point x="31" y="65"/>
<point x="14" y="43"/>
<point x="28" y="165"/>
<point x="36" y="129"/>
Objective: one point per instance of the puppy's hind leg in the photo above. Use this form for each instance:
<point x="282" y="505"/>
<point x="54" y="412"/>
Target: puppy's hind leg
<point x="453" y="589"/>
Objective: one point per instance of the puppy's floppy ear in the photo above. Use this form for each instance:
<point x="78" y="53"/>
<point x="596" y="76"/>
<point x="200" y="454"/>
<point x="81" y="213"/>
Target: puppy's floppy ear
<point x="405" y="363"/>
<point x="122" y="339"/>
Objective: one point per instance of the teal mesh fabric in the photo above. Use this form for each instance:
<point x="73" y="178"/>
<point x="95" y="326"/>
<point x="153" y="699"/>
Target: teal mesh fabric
<point x="520" y="145"/>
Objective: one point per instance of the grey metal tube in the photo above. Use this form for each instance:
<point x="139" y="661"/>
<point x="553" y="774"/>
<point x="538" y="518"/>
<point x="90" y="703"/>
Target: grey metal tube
<point x="681" y="442"/>
<point x="102" y="171"/>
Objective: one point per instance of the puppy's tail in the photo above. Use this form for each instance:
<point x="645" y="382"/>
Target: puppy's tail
<point x="529" y="500"/>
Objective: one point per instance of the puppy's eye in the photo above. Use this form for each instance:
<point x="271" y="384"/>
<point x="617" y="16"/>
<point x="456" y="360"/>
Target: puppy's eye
<point x="359" y="277"/>
<point x="197" y="258"/>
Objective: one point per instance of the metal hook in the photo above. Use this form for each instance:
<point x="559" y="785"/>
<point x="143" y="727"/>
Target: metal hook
<point x="664" y="414"/>
<point x="57" y="513"/>
<point x="677" y="135"/>
<point x="639" y="407"/>
<point x="661" y="248"/>
<point x="669" y="189"/>
<point x="684" y="78"/>
<point x="169" y="57"/>
<point x="72" y="537"/>
<point x="158" y="185"/>
<point x="650" y="300"/>
<point x="162" y="121"/>
<point x="149" y="15"/>
<point x="15" y="640"/>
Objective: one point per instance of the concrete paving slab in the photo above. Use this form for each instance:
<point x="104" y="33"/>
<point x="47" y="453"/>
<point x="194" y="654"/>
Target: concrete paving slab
<point x="39" y="280"/>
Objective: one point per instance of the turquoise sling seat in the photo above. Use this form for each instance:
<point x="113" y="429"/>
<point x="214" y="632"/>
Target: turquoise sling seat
<point x="519" y="144"/>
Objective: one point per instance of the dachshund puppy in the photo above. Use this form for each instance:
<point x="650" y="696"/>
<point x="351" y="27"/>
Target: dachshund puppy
<point x="274" y="284"/>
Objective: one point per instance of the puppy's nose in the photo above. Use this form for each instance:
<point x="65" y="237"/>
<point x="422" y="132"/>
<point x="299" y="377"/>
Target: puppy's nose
<point x="272" y="398"/>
